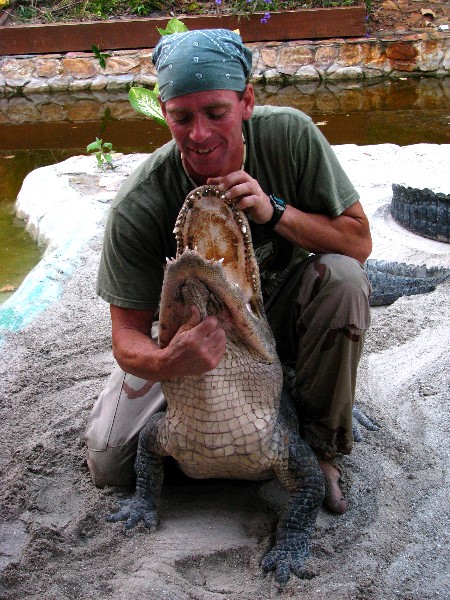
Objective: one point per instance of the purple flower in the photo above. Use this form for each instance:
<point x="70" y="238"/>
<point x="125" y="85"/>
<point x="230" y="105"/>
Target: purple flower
<point x="219" y="2"/>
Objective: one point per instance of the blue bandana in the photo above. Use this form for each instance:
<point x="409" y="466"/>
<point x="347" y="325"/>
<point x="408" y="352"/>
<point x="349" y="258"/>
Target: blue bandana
<point x="196" y="61"/>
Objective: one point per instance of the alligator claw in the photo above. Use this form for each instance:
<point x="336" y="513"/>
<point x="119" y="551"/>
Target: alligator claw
<point x="284" y="563"/>
<point x="133" y="511"/>
<point x="362" y="419"/>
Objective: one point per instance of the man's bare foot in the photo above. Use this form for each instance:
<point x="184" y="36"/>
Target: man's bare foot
<point x="333" y="495"/>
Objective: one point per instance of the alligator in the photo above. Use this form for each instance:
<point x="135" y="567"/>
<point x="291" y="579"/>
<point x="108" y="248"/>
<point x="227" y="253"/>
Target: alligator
<point x="392" y="280"/>
<point x="425" y="213"/>
<point x="422" y="211"/>
<point x="239" y="420"/>
<point x="236" y="421"/>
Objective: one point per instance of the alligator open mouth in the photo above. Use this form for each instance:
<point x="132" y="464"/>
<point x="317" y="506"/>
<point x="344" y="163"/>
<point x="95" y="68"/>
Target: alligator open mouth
<point x="215" y="228"/>
<point x="215" y="269"/>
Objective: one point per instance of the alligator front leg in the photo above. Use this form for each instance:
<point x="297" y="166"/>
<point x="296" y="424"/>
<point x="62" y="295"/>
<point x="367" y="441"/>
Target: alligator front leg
<point x="149" y="467"/>
<point x="302" y="477"/>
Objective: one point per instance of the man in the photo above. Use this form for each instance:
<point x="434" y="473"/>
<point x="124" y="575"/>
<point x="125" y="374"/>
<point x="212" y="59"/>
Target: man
<point x="310" y="235"/>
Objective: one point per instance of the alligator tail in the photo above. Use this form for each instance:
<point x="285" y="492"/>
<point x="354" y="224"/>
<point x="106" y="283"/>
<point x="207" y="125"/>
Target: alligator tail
<point x="391" y="280"/>
<point x="422" y="211"/>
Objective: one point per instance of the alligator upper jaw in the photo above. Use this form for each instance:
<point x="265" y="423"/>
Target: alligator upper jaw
<point x="219" y="231"/>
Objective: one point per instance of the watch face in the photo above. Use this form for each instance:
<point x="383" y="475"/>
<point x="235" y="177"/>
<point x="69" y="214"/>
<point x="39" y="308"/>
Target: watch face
<point x="278" y="203"/>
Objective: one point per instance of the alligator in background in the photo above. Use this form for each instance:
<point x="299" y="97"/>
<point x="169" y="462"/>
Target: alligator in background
<point x="237" y="421"/>
<point x="391" y="280"/>
<point x="425" y="213"/>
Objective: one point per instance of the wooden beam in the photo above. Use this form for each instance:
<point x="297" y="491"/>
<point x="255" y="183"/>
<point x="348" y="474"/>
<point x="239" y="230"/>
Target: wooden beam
<point x="311" y="24"/>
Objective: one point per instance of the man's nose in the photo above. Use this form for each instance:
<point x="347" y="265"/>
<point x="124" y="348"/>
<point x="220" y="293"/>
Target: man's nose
<point x="199" y="130"/>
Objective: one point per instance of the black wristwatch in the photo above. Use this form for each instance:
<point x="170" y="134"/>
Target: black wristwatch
<point x="279" y="206"/>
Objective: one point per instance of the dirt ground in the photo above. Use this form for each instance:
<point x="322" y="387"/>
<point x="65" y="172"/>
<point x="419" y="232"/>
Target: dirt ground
<point x="391" y="544"/>
<point x="407" y="16"/>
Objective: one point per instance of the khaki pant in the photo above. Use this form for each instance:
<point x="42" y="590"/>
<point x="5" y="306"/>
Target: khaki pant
<point x="319" y="317"/>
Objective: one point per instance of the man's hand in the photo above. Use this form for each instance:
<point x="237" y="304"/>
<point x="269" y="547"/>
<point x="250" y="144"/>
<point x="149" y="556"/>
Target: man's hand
<point x="197" y="347"/>
<point x="248" y="194"/>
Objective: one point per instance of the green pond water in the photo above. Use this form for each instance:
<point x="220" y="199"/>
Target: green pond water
<point x="404" y="112"/>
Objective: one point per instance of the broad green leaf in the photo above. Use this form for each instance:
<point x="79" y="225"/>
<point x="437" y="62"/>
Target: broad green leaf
<point x="146" y="102"/>
<point x="97" y="145"/>
<point x="173" y="26"/>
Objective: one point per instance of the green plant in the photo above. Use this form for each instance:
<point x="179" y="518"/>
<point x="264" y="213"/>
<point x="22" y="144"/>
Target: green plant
<point x="146" y="101"/>
<point x="249" y="7"/>
<point x="107" y="118"/>
<point x="145" y="7"/>
<point x="102" y="8"/>
<point x="26" y="12"/>
<point x="102" y="151"/>
<point x="173" y="26"/>
<point x="105" y="8"/>
<point x="100" y="56"/>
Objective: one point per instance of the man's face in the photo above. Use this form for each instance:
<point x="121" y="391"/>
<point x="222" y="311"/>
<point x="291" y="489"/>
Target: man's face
<point x="207" y="127"/>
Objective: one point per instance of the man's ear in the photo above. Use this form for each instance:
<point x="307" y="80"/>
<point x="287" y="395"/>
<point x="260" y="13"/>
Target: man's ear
<point x="249" y="102"/>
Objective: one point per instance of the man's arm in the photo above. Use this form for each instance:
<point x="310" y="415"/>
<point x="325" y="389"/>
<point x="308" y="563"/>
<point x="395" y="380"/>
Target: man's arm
<point x="347" y="234"/>
<point x="197" y="347"/>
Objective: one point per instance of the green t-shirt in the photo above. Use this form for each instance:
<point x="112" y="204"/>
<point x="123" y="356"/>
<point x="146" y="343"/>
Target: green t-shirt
<point x="286" y="153"/>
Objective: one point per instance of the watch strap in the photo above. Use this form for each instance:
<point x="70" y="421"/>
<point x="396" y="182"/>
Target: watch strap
<point x="279" y="206"/>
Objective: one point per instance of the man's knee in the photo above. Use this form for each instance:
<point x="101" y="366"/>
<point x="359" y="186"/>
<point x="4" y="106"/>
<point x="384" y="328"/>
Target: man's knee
<point x="112" y="466"/>
<point x="121" y="411"/>
<point x="336" y="288"/>
<point x="345" y="272"/>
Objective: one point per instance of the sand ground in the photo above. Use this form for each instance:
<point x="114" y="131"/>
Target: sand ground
<point x="392" y="542"/>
